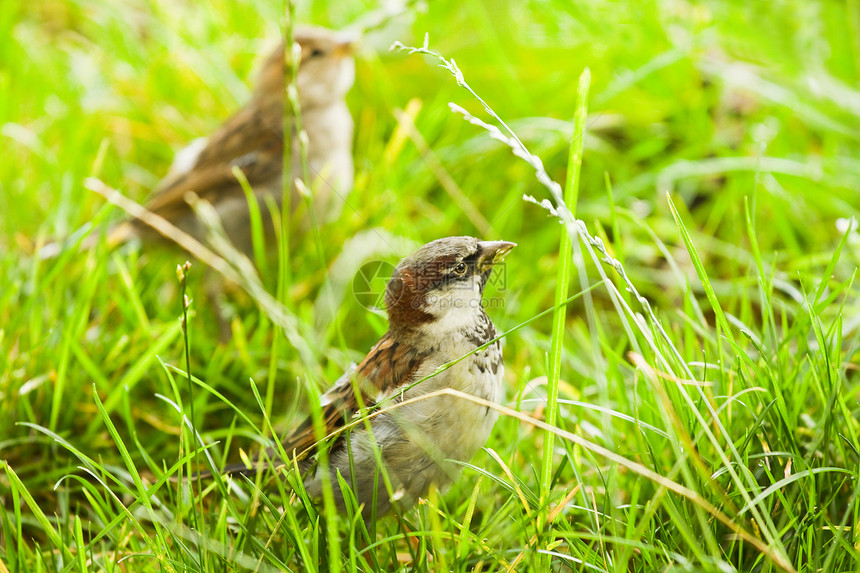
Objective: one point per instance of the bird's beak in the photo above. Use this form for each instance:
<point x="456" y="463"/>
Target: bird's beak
<point x="491" y="252"/>
<point x="347" y="43"/>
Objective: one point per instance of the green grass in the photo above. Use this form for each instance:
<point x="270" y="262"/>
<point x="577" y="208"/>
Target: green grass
<point x="708" y="395"/>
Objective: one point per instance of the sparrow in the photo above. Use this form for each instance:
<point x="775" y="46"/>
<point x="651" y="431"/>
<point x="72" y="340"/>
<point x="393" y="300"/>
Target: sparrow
<point x="253" y="139"/>
<point x="435" y="313"/>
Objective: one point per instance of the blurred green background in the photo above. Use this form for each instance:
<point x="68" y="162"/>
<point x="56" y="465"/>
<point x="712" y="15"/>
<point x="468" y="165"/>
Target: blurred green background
<point x="728" y="107"/>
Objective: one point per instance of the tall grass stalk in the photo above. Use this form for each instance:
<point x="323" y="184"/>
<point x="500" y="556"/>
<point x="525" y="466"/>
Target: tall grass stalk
<point x="559" y="318"/>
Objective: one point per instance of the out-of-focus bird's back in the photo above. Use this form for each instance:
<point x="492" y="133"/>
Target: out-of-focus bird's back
<point x="253" y="138"/>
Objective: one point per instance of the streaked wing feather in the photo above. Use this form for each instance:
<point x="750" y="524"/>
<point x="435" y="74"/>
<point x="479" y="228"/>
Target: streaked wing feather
<point x="387" y="366"/>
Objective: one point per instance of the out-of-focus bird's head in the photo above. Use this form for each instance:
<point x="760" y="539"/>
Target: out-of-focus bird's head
<point x="326" y="70"/>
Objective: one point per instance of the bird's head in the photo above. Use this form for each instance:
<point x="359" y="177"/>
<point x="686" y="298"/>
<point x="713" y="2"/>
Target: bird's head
<point x="442" y="284"/>
<point x="326" y="69"/>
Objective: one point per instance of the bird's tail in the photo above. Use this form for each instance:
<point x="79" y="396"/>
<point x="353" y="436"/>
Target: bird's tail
<point x="239" y="468"/>
<point x="249" y="468"/>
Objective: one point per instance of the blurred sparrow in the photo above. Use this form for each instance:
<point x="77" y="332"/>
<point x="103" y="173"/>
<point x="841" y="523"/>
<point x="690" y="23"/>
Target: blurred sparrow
<point x="253" y="140"/>
<point x="435" y="313"/>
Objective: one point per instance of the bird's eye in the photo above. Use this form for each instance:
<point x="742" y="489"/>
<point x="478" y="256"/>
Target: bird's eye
<point x="460" y="269"/>
<point x="316" y="53"/>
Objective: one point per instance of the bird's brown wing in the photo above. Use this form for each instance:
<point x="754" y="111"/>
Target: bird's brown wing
<point x="252" y="140"/>
<point x="389" y="365"/>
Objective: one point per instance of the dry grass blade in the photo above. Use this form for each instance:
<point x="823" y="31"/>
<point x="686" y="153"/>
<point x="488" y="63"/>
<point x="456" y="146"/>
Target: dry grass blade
<point x="241" y="271"/>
